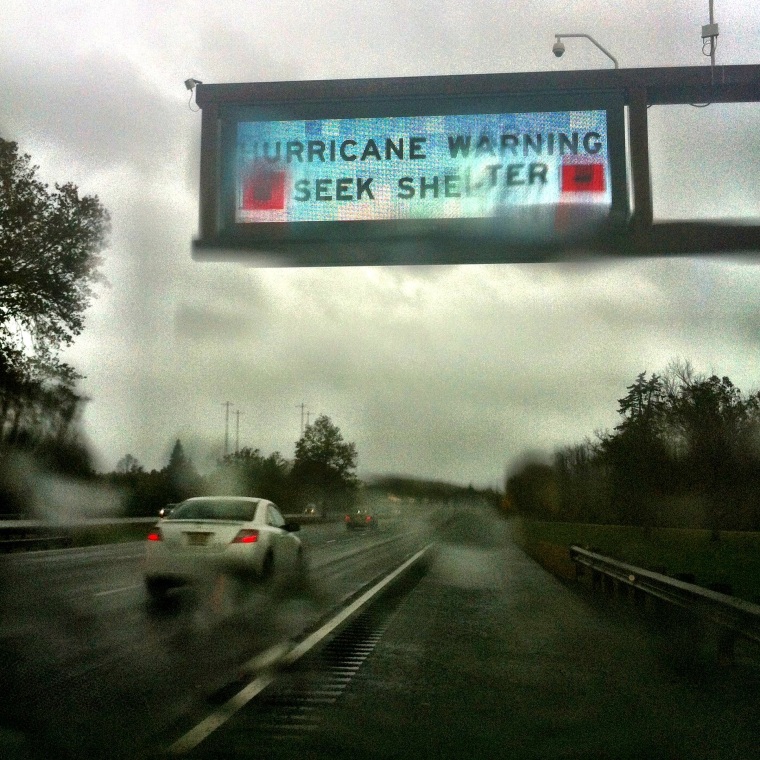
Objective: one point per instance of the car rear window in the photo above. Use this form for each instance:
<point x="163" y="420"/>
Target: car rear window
<point x="241" y="511"/>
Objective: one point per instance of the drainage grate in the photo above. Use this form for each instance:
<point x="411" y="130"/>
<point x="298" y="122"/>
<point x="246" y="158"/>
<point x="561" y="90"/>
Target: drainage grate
<point x="284" y="716"/>
<point x="295" y="704"/>
<point x="276" y="715"/>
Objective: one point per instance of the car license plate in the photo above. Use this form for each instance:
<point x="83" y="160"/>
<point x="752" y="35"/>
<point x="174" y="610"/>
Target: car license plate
<point x="197" y="539"/>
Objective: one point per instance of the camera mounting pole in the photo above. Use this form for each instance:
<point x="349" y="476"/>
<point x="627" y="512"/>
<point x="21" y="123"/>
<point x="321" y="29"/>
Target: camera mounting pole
<point x="559" y="48"/>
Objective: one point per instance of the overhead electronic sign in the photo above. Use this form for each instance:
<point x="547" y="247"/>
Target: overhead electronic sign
<point x="465" y="166"/>
<point x="403" y="179"/>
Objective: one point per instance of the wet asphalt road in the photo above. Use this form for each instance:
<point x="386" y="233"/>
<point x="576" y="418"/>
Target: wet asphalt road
<point x="90" y="670"/>
<point x="488" y="656"/>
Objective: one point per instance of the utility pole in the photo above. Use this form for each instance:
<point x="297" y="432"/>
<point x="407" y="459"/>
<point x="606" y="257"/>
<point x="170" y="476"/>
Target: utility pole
<point x="301" y="406"/>
<point x="308" y="415"/>
<point x="227" y="405"/>
<point x="237" y="430"/>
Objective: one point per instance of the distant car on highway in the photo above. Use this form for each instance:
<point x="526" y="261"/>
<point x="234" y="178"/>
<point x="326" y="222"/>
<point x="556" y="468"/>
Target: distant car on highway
<point x="166" y="511"/>
<point x="243" y="536"/>
<point x="360" y="519"/>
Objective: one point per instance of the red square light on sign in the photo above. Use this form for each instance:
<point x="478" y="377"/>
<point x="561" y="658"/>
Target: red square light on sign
<point x="582" y="178"/>
<point x="264" y="191"/>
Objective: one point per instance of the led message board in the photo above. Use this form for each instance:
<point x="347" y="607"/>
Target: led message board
<point x="400" y="179"/>
<point x="419" y="167"/>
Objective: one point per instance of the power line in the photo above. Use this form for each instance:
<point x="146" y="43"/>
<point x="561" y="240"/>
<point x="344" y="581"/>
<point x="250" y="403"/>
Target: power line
<point x="301" y="406"/>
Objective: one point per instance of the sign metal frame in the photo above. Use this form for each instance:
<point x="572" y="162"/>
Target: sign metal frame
<point x="463" y="241"/>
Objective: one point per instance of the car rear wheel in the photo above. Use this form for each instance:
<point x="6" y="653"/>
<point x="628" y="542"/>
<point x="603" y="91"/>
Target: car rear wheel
<point x="301" y="569"/>
<point x="157" y="589"/>
<point x="267" y="567"/>
<point x="300" y="573"/>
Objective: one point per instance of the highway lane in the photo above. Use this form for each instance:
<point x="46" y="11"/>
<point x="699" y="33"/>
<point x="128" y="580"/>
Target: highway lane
<point x="489" y="656"/>
<point x="91" y="670"/>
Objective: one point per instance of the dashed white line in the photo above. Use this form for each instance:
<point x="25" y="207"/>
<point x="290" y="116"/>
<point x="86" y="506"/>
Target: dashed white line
<point x="207" y="726"/>
<point x="117" y="590"/>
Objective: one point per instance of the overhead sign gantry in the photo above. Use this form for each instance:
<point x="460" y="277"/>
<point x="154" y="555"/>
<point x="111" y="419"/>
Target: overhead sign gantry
<point x="458" y="169"/>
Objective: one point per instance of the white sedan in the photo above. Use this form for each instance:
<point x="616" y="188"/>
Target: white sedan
<point x="228" y="534"/>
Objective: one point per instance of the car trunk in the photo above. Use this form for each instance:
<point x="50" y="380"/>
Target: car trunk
<point x="199" y="536"/>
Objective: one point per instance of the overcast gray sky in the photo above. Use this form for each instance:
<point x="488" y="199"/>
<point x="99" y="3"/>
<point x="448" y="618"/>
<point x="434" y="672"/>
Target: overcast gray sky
<point x="442" y="372"/>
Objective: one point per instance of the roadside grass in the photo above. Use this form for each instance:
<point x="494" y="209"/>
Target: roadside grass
<point x="733" y="559"/>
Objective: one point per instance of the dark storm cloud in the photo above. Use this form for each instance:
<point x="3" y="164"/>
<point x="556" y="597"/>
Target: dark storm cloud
<point x="469" y="384"/>
<point x="226" y="315"/>
<point x="246" y="52"/>
<point x="446" y="372"/>
<point x="97" y="110"/>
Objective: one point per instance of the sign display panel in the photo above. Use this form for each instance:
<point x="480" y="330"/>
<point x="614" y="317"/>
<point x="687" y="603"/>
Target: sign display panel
<point x="441" y="167"/>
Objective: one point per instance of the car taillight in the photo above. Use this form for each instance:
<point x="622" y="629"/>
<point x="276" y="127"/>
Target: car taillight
<point x="246" y="537"/>
<point x="155" y="535"/>
<point x="348" y="518"/>
<point x="368" y="518"/>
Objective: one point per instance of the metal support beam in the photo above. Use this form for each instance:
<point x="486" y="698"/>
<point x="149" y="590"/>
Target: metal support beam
<point x="637" y="88"/>
<point x="667" y="85"/>
<point x="643" y="211"/>
<point x="209" y="179"/>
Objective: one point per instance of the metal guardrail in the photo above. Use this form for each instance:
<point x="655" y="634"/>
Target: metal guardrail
<point x="21" y="535"/>
<point x="737" y="615"/>
<point x="93" y="522"/>
<point x="24" y="534"/>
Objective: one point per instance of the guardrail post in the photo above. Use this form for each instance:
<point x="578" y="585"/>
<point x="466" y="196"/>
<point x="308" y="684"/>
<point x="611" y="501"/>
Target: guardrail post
<point x="726" y="651"/>
<point x="684" y="611"/>
<point x="726" y="638"/>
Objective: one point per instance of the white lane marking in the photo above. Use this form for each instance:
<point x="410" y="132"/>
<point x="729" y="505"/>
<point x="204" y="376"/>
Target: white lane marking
<point x="117" y="590"/>
<point x="218" y="718"/>
<point x="309" y="642"/>
<point x="208" y="725"/>
<point x="332" y="541"/>
<point x="267" y="659"/>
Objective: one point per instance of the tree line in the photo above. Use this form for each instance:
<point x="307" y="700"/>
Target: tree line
<point x="50" y="256"/>
<point x="421" y="489"/>
<point x="51" y="242"/>
<point x="686" y="453"/>
<point x="322" y="474"/>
